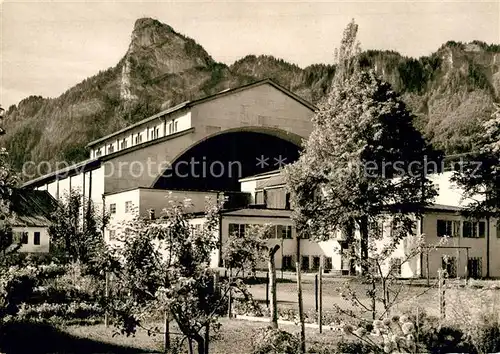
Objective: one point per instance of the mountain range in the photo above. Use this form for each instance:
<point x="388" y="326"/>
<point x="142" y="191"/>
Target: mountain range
<point x="450" y="91"/>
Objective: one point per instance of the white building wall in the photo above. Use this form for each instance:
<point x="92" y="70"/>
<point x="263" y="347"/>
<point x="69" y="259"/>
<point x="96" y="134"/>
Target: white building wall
<point x="449" y="193"/>
<point x="263" y="106"/>
<point x="146" y="130"/>
<point x="44" y="245"/>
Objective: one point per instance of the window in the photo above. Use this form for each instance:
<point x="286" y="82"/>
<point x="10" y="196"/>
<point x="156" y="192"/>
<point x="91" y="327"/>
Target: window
<point x="286" y="263"/>
<point x="259" y="197"/>
<point x="196" y="229"/>
<point x="328" y="263"/>
<point x="498" y="229"/>
<point x="112" y="235"/>
<point x="449" y="228"/>
<point x="287" y="201"/>
<point x="305" y="235"/>
<point x="124" y="144"/>
<point x="138" y="138"/>
<point x="304" y="265"/>
<point x="172" y="127"/>
<point x="376" y="229"/>
<point x="286" y="232"/>
<point x="474" y="229"/>
<point x="155" y="133"/>
<point x="111" y="148"/>
<point x="394" y="228"/>
<point x="475" y="267"/>
<point x="449" y="264"/>
<point x="98" y="152"/>
<point x="316" y="262"/>
<point x="482" y="229"/>
<point x="128" y="207"/>
<point x="395" y="264"/>
<point x="36" y="238"/>
<point x="237" y="229"/>
<point x="112" y="208"/>
<point x="24" y="238"/>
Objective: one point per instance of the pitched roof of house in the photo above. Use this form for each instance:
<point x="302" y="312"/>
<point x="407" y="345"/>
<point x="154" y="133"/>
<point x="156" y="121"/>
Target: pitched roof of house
<point x="189" y="104"/>
<point x="257" y="212"/>
<point x="32" y="207"/>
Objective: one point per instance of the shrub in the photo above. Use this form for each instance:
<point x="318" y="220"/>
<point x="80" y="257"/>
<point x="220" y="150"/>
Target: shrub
<point x="353" y="347"/>
<point x="59" y="312"/>
<point x="275" y="341"/>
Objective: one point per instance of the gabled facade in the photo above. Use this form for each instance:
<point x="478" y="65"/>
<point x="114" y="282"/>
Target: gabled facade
<point x="470" y="249"/>
<point x="32" y="218"/>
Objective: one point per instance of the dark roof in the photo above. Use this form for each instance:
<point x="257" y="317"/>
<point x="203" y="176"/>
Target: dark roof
<point x="251" y="212"/>
<point x="79" y="167"/>
<point x="192" y="103"/>
<point x="32" y="207"/>
<point x="270" y="182"/>
<point x="442" y="207"/>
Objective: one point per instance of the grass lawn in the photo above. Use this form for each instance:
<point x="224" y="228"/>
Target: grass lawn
<point x="412" y="294"/>
<point x="235" y="337"/>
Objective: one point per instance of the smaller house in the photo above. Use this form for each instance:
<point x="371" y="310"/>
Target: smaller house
<point x="33" y="210"/>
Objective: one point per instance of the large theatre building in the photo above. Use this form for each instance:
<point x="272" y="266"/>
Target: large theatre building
<point x="234" y="143"/>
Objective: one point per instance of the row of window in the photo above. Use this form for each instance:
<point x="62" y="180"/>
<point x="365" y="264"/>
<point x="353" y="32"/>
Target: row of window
<point x="277" y="231"/>
<point x="457" y="228"/>
<point x="128" y="207"/>
<point x="195" y="229"/>
<point x="474" y="266"/>
<point x="287" y="263"/>
<point x="152" y="134"/>
<point x="24" y="237"/>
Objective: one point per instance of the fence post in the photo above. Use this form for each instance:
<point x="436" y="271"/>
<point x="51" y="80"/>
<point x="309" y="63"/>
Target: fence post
<point x="316" y="292"/>
<point x="427" y="267"/>
<point x="230" y="294"/>
<point x="442" y="294"/>
<point x="106" y="291"/>
<point x="301" y="310"/>
<point x="320" y="312"/>
<point x="267" y="289"/>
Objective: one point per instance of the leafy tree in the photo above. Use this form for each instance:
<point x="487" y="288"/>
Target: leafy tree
<point x="76" y="234"/>
<point x="363" y="159"/>
<point x="245" y="251"/>
<point x="165" y="265"/>
<point x="479" y="174"/>
<point x="8" y="180"/>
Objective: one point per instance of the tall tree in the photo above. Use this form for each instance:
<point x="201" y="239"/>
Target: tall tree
<point x="76" y="237"/>
<point x="363" y="159"/>
<point x="165" y="264"/>
<point x="8" y="181"/>
<point x="479" y="175"/>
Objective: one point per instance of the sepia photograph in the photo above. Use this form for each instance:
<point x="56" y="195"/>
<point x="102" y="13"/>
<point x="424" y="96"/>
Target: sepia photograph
<point x="250" y="177"/>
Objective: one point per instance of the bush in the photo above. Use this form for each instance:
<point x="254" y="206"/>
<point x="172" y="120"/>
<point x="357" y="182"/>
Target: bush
<point x="485" y="335"/>
<point x="60" y="312"/>
<point x="353" y="347"/>
<point x="275" y="341"/>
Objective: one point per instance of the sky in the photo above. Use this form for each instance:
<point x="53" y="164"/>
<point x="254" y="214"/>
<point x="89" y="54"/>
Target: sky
<point x="48" y="47"/>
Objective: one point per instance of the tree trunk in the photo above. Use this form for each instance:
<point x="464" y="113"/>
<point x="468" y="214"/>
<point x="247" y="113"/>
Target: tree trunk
<point x="166" y="329"/>
<point x="272" y="286"/>
<point x="200" y="342"/>
<point x="301" y="311"/>
<point x="363" y="231"/>
<point x="230" y="295"/>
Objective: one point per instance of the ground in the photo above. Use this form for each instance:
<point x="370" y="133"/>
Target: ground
<point x="236" y="336"/>
<point x="413" y="293"/>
